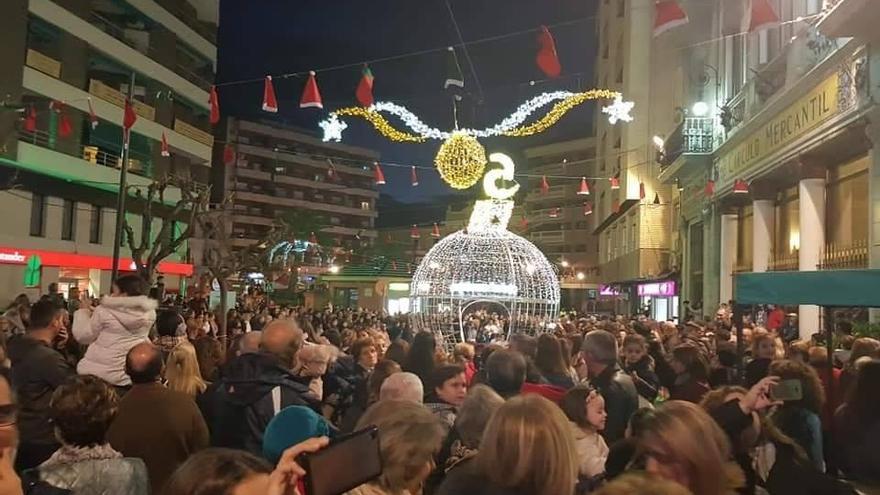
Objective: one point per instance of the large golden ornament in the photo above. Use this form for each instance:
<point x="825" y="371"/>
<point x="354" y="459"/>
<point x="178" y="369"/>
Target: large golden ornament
<point x="461" y="160"/>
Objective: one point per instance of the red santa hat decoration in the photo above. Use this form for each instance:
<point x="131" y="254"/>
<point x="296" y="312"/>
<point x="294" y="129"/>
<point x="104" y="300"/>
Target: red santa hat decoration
<point x="311" y="97"/>
<point x="270" y="103"/>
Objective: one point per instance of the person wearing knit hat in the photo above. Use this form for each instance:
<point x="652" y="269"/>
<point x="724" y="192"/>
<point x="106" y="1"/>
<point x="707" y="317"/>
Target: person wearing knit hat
<point x="294" y="424"/>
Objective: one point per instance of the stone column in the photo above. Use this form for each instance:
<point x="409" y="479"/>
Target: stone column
<point x="873" y="133"/>
<point x="763" y="225"/>
<point x="811" y="203"/>
<point x="727" y="250"/>
<point x="711" y="265"/>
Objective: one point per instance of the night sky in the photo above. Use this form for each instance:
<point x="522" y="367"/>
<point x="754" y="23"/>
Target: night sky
<point x="259" y="37"/>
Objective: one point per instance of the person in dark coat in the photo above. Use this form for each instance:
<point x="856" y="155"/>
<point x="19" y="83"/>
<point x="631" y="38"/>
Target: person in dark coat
<point x="763" y="353"/>
<point x="686" y="374"/>
<point x="155" y="424"/>
<point x="640" y="367"/>
<point x="599" y="352"/>
<point x="256" y="386"/>
<point x="38" y="368"/>
<point x="857" y="426"/>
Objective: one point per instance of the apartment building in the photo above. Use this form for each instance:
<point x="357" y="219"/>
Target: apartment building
<point x="792" y="156"/>
<point x="277" y="170"/>
<point x="634" y="212"/>
<point x="67" y="65"/>
<point x="561" y="221"/>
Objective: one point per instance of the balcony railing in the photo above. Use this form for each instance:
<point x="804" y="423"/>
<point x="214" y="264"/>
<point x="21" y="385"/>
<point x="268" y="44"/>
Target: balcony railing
<point x="743" y="266"/>
<point x="693" y="135"/>
<point x="205" y="29"/>
<point x="786" y="262"/>
<point x="129" y="37"/>
<point x="807" y="50"/>
<point x="845" y="256"/>
<point x="138" y="163"/>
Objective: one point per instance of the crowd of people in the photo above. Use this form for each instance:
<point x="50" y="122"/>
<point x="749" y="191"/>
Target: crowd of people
<point x="129" y="396"/>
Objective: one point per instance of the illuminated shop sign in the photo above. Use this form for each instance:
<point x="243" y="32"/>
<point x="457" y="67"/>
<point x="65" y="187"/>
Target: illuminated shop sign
<point x="663" y="289"/>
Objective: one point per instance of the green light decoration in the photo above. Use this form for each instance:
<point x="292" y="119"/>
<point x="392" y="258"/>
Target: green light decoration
<point x="32" y="271"/>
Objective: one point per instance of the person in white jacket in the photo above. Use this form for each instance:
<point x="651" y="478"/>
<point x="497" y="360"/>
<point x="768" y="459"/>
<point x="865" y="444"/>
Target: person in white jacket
<point x="585" y="409"/>
<point x="122" y="321"/>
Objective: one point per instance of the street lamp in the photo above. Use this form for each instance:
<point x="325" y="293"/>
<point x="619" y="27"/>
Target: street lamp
<point x="334" y="269"/>
<point x="581" y="275"/>
<point x="700" y="109"/>
<point x="658" y="142"/>
<point x="564" y="264"/>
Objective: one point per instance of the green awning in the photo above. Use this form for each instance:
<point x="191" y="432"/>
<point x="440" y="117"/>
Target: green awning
<point x="847" y="288"/>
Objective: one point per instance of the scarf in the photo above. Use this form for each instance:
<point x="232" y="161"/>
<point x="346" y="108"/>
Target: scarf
<point x="70" y="454"/>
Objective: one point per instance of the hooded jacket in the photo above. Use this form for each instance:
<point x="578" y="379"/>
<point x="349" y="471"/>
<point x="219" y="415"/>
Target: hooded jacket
<point x="253" y="389"/>
<point x="114" y="327"/>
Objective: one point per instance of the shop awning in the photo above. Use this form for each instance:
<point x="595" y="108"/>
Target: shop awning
<point x="847" y="288"/>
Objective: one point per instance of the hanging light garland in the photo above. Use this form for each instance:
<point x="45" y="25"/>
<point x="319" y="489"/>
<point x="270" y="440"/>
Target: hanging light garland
<point x="461" y="160"/>
<point x="510" y="126"/>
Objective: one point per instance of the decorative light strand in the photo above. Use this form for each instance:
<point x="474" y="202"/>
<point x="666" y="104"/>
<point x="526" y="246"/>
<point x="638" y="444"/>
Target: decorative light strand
<point x="378" y="121"/>
<point x="510" y="126"/>
<point x="559" y="110"/>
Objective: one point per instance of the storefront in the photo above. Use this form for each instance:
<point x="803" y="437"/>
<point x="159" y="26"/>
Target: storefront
<point x="369" y="287"/>
<point x="32" y="270"/>
<point x="659" y="299"/>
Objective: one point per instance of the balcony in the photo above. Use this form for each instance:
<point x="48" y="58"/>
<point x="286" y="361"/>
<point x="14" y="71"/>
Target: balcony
<point x="263" y="197"/>
<point x="743" y="266"/>
<point x="128" y="45"/>
<point x="554" y="194"/>
<point x="88" y="166"/>
<point x="786" y="262"/>
<point x="850" y="18"/>
<point x="97" y="155"/>
<point x="845" y="256"/>
<point x="189" y="17"/>
<point x="140" y="41"/>
<point x="806" y="51"/>
<point x="695" y="135"/>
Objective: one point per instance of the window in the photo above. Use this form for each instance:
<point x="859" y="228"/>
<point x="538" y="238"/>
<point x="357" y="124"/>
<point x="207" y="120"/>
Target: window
<point x="764" y="46"/>
<point x="737" y="75"/>
<point x="95" y="225"/>
<point x="68" y="220"/>
<point x="38" y="215"/>
<point x="813" y="6"/>
<point x="365" y="205"/>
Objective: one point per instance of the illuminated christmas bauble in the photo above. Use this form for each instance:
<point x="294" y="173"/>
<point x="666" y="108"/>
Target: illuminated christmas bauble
<point x="461" y="160"/>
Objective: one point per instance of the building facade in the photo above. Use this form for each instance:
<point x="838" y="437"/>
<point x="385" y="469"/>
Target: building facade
<point x="269" y="171"/>
<point x="791" y="159"/>
<point x="66" y="70"/>
<point x="560" y="221"/>
<point x="634" y="211"/>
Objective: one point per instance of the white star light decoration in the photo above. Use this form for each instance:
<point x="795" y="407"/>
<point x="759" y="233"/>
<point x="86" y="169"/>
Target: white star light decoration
<point x="619" y="110"/>
<point x="333" y="128"/>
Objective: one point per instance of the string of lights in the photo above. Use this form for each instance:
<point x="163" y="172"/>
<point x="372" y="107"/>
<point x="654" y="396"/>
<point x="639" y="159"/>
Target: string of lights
<point x="510" y="126"/>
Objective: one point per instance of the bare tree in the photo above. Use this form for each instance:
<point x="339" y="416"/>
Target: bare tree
<point x="148" y="250"/>
<point x="224" y="260"/>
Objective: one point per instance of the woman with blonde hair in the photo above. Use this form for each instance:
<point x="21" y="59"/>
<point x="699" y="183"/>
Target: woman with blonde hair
<point x="684" y="444"/>
<point x="527" y="448"/>
<point x="182" y="371"/>
<point x="410" y="438"/>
